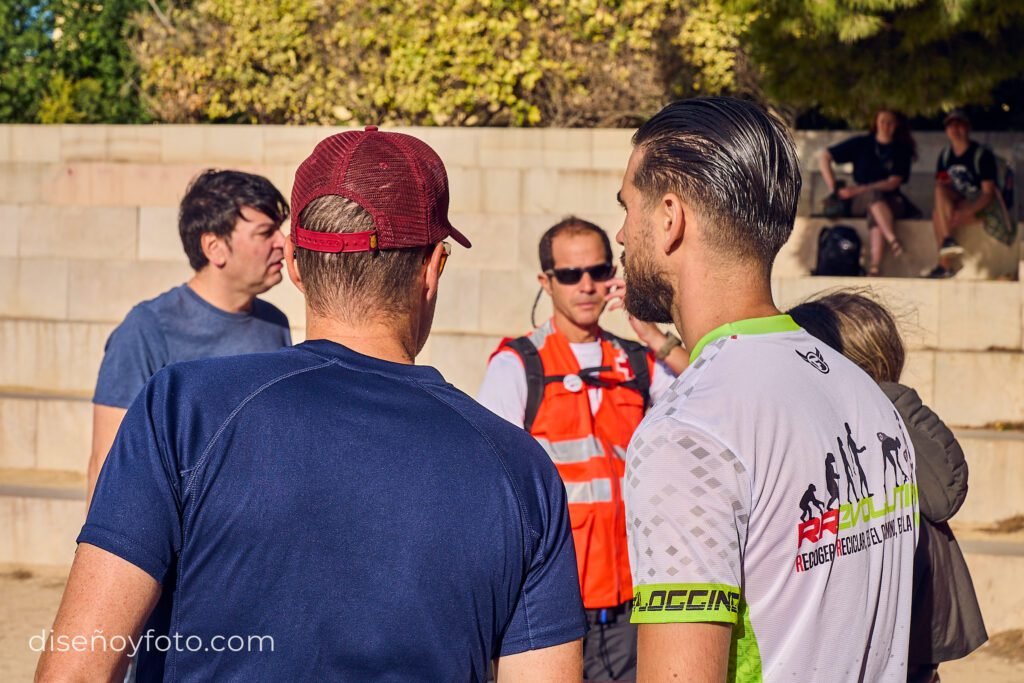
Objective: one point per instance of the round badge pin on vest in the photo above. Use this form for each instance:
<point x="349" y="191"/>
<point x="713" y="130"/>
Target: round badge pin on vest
<point x="572" y="383"/>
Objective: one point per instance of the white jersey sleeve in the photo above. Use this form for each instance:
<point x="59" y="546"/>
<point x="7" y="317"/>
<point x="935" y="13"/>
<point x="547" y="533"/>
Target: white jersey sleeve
<point x="687" y="505"/>
<point x="661" y="381"/>
<point x="503" y="390"/>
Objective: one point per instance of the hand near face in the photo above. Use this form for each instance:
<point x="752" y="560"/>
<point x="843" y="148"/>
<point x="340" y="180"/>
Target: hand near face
<point x="648" y="333"/>
<point x="615" y="298"/>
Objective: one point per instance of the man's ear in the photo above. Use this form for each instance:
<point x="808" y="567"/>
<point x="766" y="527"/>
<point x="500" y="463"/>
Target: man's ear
<point x="432" y="272"/>
<point x="293" y="266"/>
<point x="673" y="216"/>
<point x="215" y="248"/>
<point x="545" y="282"/>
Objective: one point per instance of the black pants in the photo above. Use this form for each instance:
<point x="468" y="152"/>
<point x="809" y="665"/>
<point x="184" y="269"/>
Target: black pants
<point x="609" y="650"/>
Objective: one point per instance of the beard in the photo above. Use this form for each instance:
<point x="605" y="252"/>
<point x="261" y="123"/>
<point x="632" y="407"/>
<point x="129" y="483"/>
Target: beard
<point x="649" y="292"/>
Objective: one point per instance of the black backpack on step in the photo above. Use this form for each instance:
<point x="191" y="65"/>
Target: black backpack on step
<point x="838" y="251"/>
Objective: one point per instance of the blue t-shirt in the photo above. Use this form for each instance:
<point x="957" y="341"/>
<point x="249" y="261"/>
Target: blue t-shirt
<point x="374" y="521"/>
<point x="176" y="326"/>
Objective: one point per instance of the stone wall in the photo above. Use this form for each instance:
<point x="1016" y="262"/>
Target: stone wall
<point x="88" y="228"/>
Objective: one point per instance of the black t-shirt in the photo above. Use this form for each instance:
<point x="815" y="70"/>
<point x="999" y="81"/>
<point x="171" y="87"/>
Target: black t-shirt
<point x="968" y="170"/>
<point x="873" y="161"/>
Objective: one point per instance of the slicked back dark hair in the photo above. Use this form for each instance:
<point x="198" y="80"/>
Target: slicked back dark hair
<point x="730" y="160"/>
<point x="213" y="203"/>
<point x="570" y="225"/>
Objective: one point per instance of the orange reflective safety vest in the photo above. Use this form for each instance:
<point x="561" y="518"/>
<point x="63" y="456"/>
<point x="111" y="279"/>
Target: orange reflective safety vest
<point x="589" y="449"/>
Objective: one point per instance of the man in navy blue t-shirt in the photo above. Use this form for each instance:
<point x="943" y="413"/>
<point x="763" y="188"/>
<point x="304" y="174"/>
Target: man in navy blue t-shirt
<point x="329" y="511"/>
<point x="230" y="227"/>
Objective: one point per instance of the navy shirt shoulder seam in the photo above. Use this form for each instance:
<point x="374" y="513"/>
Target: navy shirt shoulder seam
<point x="508" y="475"/>
<point x="224" y="425"/>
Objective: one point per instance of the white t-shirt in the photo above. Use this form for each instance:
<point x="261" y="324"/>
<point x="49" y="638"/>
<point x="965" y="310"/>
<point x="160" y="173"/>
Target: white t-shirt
<point x="758" y="492"/>
<point x="503" y="390"/>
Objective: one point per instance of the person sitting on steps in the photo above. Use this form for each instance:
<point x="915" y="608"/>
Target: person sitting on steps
<point x="965" y="187"/>
<point x="881" y="164"/>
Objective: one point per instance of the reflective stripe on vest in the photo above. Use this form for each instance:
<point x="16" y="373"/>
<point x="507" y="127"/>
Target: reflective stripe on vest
<point x="593" y="491"/>
<point x="572" y="450"/>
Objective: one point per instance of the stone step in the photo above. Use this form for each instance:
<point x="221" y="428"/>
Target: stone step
<point x="43" y="512"/>
<point x="39" y="432"/>
<point x="498" y="302"/>
<point x="996" y="563"/>
<point x="984" y="257"/>
<point x="575" y="148"/>
<point x="968" y="388"/>
<point x="83" y="290"/>
<point x="947" y="315"/>
<point x="995" y="460"/>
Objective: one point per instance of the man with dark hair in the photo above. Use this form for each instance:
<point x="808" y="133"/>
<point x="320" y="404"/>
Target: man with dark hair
<point x="362" y="517"/>
<point x="230" y="227"/>
<point x="581" y="391"/>
<point x="730" y="579"/>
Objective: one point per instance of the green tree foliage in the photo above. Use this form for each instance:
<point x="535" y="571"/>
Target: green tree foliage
<point x="94" y="70"/>
<point x="495" y="62"/>
<point x="851" y="57"/>
<point x="68" y="61"/>
<point x="444" y="62"/>
<point x="25" y="58"/>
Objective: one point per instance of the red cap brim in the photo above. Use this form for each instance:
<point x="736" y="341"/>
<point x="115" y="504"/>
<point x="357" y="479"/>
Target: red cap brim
<point x="459" y="237"/>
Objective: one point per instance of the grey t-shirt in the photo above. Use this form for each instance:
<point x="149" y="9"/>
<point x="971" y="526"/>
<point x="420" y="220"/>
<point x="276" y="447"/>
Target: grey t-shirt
<point x="176" y="326"/>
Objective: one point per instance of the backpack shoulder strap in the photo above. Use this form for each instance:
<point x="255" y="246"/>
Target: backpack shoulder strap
<point x="636" y="354"/>
<point x="977" y="159"/>
<point x="946" y="152"/>
<point x="534" y="376"/>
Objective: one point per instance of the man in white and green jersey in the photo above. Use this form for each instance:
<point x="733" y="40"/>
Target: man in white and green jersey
<point x="748" y="563"/>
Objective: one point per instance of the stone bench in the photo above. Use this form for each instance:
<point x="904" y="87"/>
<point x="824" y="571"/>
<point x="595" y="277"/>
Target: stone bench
<point x="984" y="257"/>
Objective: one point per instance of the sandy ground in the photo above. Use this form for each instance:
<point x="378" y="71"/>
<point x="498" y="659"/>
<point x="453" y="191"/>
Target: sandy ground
<point x="29" y="597"/>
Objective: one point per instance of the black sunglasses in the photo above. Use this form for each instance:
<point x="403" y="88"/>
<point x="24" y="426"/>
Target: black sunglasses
<point x="570" y="276"/>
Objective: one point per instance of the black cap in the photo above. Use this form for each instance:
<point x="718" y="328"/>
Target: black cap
<point x="956" y="115"/>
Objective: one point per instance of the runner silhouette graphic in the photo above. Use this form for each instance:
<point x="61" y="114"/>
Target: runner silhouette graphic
<point x="855" y="452"/>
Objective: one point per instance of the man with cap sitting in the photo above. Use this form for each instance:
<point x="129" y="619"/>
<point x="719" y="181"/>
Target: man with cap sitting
<point x="965" y="189"/>
<point x="360" y="517"/>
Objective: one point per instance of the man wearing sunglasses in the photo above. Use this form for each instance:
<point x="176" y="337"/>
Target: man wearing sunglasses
<point x="358" y="515"/>
<point x="581" y="391"/>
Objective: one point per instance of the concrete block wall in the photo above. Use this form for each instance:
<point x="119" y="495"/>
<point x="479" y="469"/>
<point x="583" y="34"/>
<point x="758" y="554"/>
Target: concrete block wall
<point x="88" y="219"/>
<point x="88" y="229"/>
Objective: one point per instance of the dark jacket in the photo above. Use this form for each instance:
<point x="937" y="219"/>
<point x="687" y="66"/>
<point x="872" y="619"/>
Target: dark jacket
<point x="946" y="620"/>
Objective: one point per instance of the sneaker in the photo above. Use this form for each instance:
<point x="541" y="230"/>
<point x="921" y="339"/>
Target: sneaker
<point x="950" y="248"/>
<point x="939" y="273"/>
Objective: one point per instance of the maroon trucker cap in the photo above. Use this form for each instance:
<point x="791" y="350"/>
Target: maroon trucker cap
<point x="398" y="179"/>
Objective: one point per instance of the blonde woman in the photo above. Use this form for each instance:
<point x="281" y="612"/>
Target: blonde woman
<point x="946" y="621"/>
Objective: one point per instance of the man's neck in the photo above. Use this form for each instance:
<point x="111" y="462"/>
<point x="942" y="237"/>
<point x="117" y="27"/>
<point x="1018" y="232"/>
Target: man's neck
<point x="218" y="293"/>
<point x="710" y="303"/>
<point x="574" y="333"/>
<point x="375" y="339"/>
<point x="961" y="146"/>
